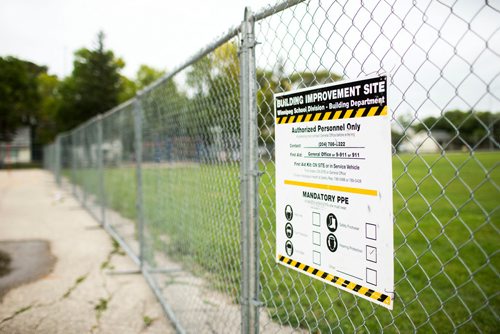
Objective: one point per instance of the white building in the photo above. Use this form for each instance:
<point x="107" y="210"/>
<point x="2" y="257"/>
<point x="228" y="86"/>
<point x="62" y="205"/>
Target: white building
<point x="424" y="141"/>
<point x="18" y="150"/>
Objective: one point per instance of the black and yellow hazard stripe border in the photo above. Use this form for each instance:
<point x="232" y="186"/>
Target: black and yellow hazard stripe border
<point x="329" y="278"/>
<point x="332" y="115"/>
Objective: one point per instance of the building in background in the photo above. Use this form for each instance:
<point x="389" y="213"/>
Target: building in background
<point x="18" y="150"/>
<point x="425" y="141"/>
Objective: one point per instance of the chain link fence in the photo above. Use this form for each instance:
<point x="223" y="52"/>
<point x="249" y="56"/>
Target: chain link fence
<point x="182" y="176"/>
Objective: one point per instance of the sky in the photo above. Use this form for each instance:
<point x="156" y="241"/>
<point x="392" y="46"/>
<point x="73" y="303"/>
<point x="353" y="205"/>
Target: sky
<point x="441" y="55"/>
<point x="161" y="34"/>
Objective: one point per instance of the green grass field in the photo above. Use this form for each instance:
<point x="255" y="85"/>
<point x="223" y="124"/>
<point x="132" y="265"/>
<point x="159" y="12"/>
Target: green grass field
<point x="446" y="242"/>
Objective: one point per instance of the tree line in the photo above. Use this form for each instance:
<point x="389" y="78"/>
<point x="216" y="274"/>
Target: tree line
<point x="471" y="130"/>
<point x="30" y="96"/>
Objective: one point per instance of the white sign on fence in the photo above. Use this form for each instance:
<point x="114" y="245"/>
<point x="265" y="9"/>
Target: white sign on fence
<point x="334" y="217"/>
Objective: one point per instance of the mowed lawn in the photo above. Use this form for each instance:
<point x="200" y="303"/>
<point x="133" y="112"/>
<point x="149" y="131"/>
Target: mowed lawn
<point x="446" y="241"/>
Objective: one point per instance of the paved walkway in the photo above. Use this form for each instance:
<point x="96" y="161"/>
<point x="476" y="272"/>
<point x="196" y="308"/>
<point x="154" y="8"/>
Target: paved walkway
<point x="78" y="296"/>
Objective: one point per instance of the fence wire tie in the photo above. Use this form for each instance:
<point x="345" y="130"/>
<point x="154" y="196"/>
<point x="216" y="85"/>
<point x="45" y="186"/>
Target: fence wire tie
<point x="256" y="303"/>
<point x="254" y="172"/>
<point x="252" y="302"/>
<point x="246" y="46"/>
<point x="392" y="293"/>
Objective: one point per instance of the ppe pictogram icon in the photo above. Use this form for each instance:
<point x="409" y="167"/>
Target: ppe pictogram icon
<point x="288" y="213"/>
<point x="331" y="222"/>
<point x="331" y="242"/>
<point x="289" y="248"/>
<point x="288" y="230"/>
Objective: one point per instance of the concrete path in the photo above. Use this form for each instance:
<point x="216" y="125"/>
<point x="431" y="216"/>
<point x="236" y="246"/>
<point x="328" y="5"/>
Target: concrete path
<point x="78" y="296"/>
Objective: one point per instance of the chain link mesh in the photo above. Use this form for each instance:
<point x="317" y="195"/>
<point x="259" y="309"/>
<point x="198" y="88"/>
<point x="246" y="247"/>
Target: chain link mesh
<point x="88" y="173"/>
<point x="119" y="174"/>
<point x="171" y="193"/>
<point x="441" y="56"/>
<point x="190" y="141"/>
<point x="65" y="156"/>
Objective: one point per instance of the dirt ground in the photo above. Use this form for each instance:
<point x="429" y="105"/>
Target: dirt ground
<point x="61" y="262"/>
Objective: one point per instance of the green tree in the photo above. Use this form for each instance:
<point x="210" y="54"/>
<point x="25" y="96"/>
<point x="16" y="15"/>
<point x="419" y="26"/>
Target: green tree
<point x="146" y="75"/>
<point x="46" y="125"/>
<point x="19" y="97"/>
<point x="128" y="89"/>
<point x="213" y="85"/>
<point x="93" y="87"/>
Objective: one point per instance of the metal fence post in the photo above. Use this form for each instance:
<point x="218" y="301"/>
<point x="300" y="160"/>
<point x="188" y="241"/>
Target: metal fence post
<point x="138" y="161"/>
<point x="58" y="159"/>
<point x="100" y="167"/>
<point x="249" y="180"/>
<point x="82" y="167"/>
<point x="73" y="163"/>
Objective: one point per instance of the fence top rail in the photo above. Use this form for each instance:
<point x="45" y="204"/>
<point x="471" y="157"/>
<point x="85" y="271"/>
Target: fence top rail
<point x="271" y="10"/>
<point x="63" y="134"/>
<point x="89" y="122"/>
<point x="84" y="124"/>
<point x="118" y="107"/>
